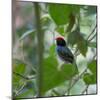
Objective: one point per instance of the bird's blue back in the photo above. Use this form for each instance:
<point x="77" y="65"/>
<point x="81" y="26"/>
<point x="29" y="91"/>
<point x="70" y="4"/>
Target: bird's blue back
<point x="65" y="53"/>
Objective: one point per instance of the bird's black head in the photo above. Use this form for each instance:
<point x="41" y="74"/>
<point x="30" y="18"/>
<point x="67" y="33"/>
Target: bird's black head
<point x="60" y="41"/>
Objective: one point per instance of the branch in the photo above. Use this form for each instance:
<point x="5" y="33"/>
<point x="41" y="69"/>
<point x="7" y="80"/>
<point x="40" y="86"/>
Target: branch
<point x="77" y="79"/>
<point x="24" y="77"/>
<point x="75" y="53"/>
<point x="70" y="87"/>
<point x="92" y="37"/>
<point x="40" y="36"/>
<point x="79" y="76"/>
<point x="55" y="92"/>
<point x="18" y="92"/>
<point x="92" y="32"/>
<point x="85" y="90"/>
<point x="70" y="83"/>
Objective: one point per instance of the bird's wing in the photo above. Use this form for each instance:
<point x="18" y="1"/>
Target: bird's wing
<point x="65" y="54"/>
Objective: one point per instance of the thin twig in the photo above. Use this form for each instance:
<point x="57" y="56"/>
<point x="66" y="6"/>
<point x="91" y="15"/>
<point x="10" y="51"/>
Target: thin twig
<point x="55" y="92"/>
<point x="76" y="51"/>
<point x="85" y="90"/>
<point x="92" y="32"/>
<point x="94" y="56"/>
<point x="70" y="83"/>
<point x="18" y="92"/>
<point x="22" y="76"/>
<point x="79" y="76"/>
<point x="92" y="38"/>
<point x="77" y="79"/>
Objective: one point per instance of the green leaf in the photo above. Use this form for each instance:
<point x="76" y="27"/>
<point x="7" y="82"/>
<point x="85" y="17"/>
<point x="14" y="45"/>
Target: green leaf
<point x="52" y="50"/>
<point x="72" y="38"/>
<point x="52" y="77"/>
<point x="60" y="29"/>
<point x="89" y="79"/>
<point x="45" y="20"/>
<point x="71" y="23"/>
<point x="69" y="70"/>
<point x="19" y="66"/>
<point x="92" y="44"/>
<point x="93" y="66"/>
<point x="60" y="13"/>
<point x="82" y="46"/>
<point x="47" y="23"/>
<point x="81" y="43"/>
<point x="27" y="33"/>
<point x="76" y="37"/>
<point x="27" y="91"/>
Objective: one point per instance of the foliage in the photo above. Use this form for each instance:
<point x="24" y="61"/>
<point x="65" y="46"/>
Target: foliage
<point x="59" y="76"/>
<point x="77" y="25"/>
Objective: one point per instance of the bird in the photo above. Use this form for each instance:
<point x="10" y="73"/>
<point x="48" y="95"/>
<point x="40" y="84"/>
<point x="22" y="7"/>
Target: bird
<point x="63" y="51"/>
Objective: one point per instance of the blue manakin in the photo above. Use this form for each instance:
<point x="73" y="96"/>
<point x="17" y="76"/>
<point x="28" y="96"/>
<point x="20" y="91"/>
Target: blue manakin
<point x="63" y="51"/>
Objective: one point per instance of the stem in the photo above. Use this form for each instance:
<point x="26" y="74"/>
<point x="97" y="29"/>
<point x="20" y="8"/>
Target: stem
<point x="55" y="92"/>
<point x="92" y="38"/>
<point x="40" y="49"/>
<point x="92" y="32"/>
<point x="85" y="90"/>
<point x="76" y="53"/>
<point x="77" y="79"/>
<point x="24" y="77"/>
<point x="18" y="92"/>
<point x="70" y="83"/>
<point x="70" y="87"/>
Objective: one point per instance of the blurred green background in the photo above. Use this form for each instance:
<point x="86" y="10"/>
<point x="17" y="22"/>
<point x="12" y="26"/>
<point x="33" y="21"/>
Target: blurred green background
<point x="78" y="25"/>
